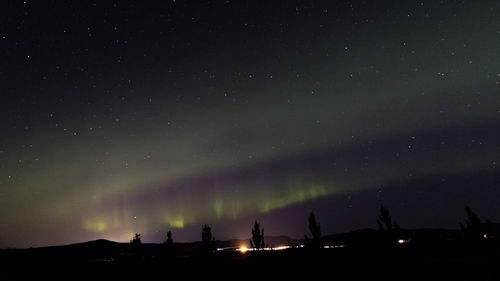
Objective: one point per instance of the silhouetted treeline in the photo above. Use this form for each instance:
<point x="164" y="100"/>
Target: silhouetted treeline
<point x="474" y="235"/>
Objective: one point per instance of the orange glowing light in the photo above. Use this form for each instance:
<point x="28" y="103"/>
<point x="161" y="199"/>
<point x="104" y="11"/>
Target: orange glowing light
<point x="243" y="249"/>
<point x="280" y="248"/>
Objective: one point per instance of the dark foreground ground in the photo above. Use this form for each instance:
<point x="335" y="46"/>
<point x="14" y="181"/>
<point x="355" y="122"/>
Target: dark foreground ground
<point x="401" y="263"/>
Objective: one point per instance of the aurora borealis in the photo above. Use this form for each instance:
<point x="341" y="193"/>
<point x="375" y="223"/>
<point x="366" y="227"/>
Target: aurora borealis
<point x="121" y="117"/>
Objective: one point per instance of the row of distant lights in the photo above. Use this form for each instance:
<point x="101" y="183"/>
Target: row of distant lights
<point x="244" y="249"/>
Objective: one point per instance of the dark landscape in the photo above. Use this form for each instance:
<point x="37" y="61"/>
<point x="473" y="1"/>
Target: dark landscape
<point x="472" y="253"/>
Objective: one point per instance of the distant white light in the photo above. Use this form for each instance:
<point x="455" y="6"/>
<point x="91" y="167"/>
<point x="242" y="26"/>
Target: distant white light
<point x="333" y="246"/>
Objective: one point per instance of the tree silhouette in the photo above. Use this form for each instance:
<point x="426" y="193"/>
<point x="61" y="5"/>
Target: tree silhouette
<point x="257" y="240"/>
<point x="136" y="245"/>
<point x="389" y="231"/>
<point x="169" y="245"/>
<point x="315" y="229"/>
<point x="384" y="220"/>
<point x="473" y="222"/>
<point x="208" y="241"/>
<point x="472" y="227"/>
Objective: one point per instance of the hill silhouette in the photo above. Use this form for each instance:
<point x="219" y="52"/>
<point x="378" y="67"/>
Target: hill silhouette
<point x="425" y="254"/>
<point x="101" y="249"/>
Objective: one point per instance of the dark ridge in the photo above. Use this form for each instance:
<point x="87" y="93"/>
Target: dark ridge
<point x="102" y="249"/>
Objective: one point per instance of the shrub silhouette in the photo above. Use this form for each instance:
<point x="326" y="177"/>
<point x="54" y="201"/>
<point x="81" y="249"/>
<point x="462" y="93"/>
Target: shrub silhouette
<point x="257" y="240"/>
<point x="136" y="246"/>
<point x="136" y="239"/>
<point x="315" y="230"/>
<point x="168" y="245"/>
<point x="207" y="240"/>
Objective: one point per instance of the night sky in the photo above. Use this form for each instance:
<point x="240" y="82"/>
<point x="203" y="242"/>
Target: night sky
<point x="120" y="117"/>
